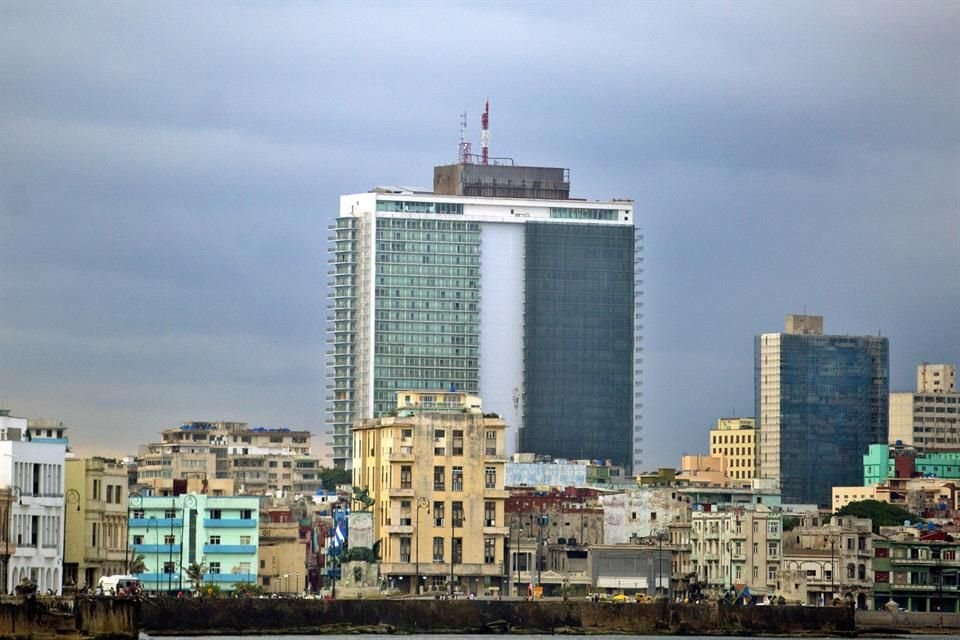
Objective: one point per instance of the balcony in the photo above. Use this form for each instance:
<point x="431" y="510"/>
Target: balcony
<point x="161" y="523"/>
<point x="246" y="549"/>
<point x="396" y="492"/>
<point x="229" y="523"/>
<point x="398" y="529"/>
<point x="160" y="549"/>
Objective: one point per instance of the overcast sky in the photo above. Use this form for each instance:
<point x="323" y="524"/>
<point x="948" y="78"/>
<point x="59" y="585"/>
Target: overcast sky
<point x="168" y="172"/>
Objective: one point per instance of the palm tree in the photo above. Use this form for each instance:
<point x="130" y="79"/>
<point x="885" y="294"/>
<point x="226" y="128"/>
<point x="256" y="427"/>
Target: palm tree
<point x="137" y="565"/>
<point x="195" y="573"/>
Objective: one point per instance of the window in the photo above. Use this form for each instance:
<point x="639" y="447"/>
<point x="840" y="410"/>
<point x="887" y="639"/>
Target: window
<point x="246" y="514"/>
<point x="406" y="477"/>
<point x="214" y="567"/>
<point x="214" y="539"/>
<point x="458" y="514"/>
<point x="137" y="539"/>
<point x="168" y="567"/>
<point x="438" y="478"/>
<point x="138" y="514"/>
<point x="405" y="549"/>
<point x="438" y="550"/>
<point x="244" y="539"/>
<point x="169" y="514"/>
<point x="215" y="514"/>
<point x="244" y="567"/>
<point x="456" y="481"/>
<point x="457" y="551"/>
<point x="489" y="550"/>
<point x="490" y="478"/>
<point x="773" y="527"/>
<point x="772" y="550"/>
<point x="490" y="514"/>
<point x="457" y="446"/>
<point x="110" y="493"/>
<point x="490" y="440"/>
<point x="169" y="539"/>
<point x="96" y="490"/>
<point x="772" y="573"/>
<point x="438" y="514"/>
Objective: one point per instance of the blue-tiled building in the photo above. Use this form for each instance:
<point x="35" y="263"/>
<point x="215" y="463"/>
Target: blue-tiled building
<point x="172" y="533"/>
<point x="821" y="401"/>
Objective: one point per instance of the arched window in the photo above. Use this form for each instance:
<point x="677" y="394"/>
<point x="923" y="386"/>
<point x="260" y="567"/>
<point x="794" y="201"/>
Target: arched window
<point x="851" y="570"/>
<point x="862" y="572"/>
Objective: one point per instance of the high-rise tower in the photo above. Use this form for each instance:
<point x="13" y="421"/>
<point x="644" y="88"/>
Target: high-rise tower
<point x="821" y="400"/>
<point x="494" y="283"/>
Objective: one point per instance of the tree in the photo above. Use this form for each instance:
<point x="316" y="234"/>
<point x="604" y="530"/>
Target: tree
<point x="882" y="514"/>
<point x="332" y="477"/>
<point x="195" y="573"/>
<point x="138" y="565"/>
<point x="247" y="590"/>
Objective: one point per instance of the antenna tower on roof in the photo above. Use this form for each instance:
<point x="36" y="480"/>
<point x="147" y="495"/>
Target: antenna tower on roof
<point x="465" y="151"/>
<point x="485" y="134"/>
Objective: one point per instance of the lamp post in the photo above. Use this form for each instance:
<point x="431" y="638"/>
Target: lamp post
<point x="660" y="535"/>
<point x="134" y="502"/>
<point x="422" y="503"/>
<point x="189" y="502"/>
<point x="517" y="519"/>
<point x="833" y="567"/>
<point x="542" y="521"/>
<point x="152" y="522"/>
<point x="72" y="496"/>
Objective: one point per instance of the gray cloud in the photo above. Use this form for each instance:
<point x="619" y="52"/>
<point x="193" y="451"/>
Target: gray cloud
<point x="168" y="172"/>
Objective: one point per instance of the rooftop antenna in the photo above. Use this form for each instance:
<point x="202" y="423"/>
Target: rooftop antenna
<point x="464" y="145"/>
<point x="485" y="134"/>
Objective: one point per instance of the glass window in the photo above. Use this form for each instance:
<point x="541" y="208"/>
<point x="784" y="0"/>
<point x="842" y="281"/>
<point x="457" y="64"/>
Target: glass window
<point x="490" y="478"/>
<point x="214" y="568"/>
<point x="438" y="549"/>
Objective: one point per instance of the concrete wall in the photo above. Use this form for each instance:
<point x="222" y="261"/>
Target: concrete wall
<point x="423" y="616"/>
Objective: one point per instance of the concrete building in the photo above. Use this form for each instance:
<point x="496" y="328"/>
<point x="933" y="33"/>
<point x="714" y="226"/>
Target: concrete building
<point x="733" y="441"/>
<point x="735" y="548"/>
<point x="917" y="569"/>
<point x="551" y="533"/>
<point x="435" y="473"/>
<point x="32" y="473"/>
<point x="258" y="460"/>
<point x="821" y="400"/>
<point x="928" y="419"/>
<point x="698" y="469"/>
<point x="826" y="558"/>
<point x="641" y="512"/>
<point x="498" y="284"/>
<point x="221" y="534"/>
<point x="282" y="556"/>
<point x="95" y="541"/>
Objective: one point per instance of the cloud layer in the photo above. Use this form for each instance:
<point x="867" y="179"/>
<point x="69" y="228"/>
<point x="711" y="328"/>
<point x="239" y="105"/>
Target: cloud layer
<point x="168" y="172"/>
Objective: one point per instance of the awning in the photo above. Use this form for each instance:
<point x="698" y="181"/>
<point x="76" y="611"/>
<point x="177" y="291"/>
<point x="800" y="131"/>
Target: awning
<point x="629" y="582"/>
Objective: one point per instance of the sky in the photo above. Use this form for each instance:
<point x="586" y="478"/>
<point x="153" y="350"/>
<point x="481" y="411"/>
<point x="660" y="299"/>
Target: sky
<point x="168" y="172"/>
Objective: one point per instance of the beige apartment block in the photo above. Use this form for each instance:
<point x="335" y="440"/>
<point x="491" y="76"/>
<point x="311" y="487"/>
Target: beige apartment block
<point x="258" y="460"/>
<point x="283" y="567"/>
<point x="737" y="547"/>
<point x="435" y="472"/>
<point x="699" y="469"/>
<point x="95" y="504"/>
<point x="928" y="419"/>
<point x="734" y="441"/>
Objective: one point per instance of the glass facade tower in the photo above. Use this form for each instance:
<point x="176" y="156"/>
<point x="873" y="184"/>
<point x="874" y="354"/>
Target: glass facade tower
<point x="821" y="402"/>
<point x="531" y="304"/>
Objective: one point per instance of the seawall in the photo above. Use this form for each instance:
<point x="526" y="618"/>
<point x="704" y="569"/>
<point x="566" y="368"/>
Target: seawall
<point x="255" y="616"/>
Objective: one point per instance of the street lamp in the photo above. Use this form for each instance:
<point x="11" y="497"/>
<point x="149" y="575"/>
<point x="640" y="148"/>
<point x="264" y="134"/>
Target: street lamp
<point x="152" y="522"/>
<point x="189" y="502"/>
<point x="542" y="521"/>
<point x="833" y="566"/>
<point x="134" y="503"/>
<point x="660" y="535"/>
<point x="517" y="518"/>
<point x="422" y="503"/>
<point x="72" y="496"/>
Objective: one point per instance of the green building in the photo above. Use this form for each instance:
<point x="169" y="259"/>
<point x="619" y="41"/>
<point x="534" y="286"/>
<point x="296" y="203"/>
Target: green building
<point x="896" y="462"/>
<point x="918" y="573"/>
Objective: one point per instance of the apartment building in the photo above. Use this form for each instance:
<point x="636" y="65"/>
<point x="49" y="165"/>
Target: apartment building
<point x="928" y="419"/>
<point x="733" y="440"/>
<point x="918" y="569"/>
<point x="735" y="548"/>
<point x="435" y="471"/>
<point x="221" y="534"/>
<point x="95" y="539"/>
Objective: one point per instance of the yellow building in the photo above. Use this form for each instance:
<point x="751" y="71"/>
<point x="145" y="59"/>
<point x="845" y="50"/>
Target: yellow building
<point x="733" y="440"/>
<point x="435" y="472"/>
<point x="95" y="504"/>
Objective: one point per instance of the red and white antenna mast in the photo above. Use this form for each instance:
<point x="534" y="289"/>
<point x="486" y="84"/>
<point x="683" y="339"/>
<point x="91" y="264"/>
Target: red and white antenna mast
<point x="485" y="134"/>
<point x="464" y="155"/>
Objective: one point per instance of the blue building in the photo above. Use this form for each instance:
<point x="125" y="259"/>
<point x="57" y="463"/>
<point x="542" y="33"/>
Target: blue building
<point x="171" y="533"/>
<point x="821" y="401"/>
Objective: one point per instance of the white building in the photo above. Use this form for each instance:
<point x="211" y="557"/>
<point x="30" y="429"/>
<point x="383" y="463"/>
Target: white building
<point x="498" y="284"/>
<point x="737" y="548"/>
<point x="642" y="512"/>
<point x="33" y="474"/>
<point x="928" y="419"/>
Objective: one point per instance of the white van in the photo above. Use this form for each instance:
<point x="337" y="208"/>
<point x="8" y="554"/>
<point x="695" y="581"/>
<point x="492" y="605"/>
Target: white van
<point x="113" y="585"/>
